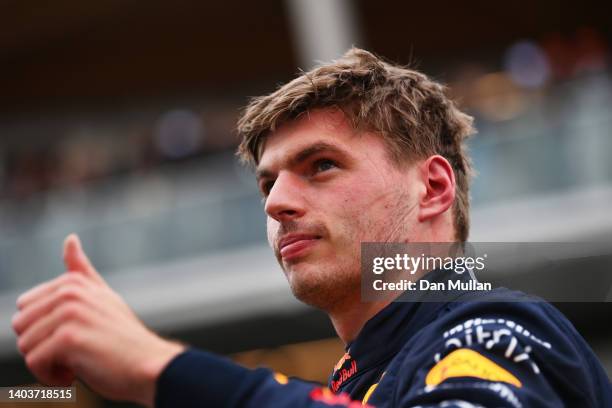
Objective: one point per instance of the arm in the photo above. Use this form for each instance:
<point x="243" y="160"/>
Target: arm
<point x="76" y="326"/>
<point x="200" y="379"/>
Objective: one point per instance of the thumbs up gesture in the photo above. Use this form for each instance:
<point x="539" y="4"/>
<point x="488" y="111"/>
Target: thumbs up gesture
<point x="76" y="326"/>
<point x="76" y="261"/>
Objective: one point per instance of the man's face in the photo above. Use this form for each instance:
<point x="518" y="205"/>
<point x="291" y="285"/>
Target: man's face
<point x="327" y="189"/>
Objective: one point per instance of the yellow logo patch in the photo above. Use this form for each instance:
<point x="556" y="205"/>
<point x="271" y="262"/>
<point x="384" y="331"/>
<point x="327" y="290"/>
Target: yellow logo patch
<point x="469" y="363"/>
<point x="281" y="378"/>
<point x="368" y="394"/>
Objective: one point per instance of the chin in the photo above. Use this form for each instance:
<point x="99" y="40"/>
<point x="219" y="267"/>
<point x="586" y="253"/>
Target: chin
<point x="320" y="287"/>
<point x="314" y="296"/>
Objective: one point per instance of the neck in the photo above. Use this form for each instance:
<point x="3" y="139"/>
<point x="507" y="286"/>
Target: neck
<point x="349" y="321"/>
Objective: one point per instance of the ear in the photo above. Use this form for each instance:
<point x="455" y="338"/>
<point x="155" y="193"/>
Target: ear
<point x="439" y="181"/>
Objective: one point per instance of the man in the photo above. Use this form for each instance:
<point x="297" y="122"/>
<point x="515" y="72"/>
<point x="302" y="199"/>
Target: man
<point x="355" y="151"/>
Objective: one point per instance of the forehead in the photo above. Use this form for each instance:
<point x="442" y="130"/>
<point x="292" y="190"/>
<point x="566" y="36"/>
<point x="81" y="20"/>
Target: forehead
<point x="329" y="126"/>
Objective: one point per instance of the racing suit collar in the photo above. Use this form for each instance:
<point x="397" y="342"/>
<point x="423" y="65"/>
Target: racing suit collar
<point x="387" y="332"/>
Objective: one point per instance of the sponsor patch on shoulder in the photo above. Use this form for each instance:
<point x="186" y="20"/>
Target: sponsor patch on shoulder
<point x="281" y="378"/>
<point x="469" y="363"/>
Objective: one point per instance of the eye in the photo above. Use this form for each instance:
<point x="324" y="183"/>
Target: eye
<point x="324" y="165"/>
<point x="266" y="187"/>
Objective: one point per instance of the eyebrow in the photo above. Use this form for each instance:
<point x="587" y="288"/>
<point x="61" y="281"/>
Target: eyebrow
<point x="301" y="156"/>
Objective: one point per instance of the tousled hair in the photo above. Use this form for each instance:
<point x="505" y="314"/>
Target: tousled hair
<point x="410" y="111"/>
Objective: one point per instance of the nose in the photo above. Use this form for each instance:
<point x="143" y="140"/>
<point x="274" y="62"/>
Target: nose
<point x="286" y="198"/>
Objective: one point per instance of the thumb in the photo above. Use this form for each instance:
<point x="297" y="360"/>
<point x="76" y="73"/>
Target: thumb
<point x="76" y="260"/>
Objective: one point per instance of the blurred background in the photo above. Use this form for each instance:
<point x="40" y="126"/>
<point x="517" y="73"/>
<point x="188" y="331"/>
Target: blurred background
<point x="117" y="122"/>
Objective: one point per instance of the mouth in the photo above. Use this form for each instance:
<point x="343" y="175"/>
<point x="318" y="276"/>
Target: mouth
<point x="295" y="245"/>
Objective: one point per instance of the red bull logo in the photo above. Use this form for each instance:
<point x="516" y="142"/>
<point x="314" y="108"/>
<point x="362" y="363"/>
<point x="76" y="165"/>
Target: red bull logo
<point x="340" y="363"/>
<point x="342" y="375"/>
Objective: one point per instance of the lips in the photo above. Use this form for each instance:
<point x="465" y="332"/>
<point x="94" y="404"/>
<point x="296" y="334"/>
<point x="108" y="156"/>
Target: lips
<point x="292" y="246"/>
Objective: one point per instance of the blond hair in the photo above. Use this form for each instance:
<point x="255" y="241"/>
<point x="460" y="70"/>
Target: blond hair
<point x="411" y="112"/>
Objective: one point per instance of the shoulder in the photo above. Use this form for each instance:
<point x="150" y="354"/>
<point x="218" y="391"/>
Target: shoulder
<point x="502" y="342"/>
<point x="512" y="314"/>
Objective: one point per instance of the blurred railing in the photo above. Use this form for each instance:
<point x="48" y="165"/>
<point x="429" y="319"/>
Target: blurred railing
<point x="172" y="213"/>
<point x="563" y="140"/>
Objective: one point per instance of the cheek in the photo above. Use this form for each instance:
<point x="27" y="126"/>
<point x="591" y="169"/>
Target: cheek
<point x="362" y="200"/>
<point x="351" y="208"/>
<point x="372" y="213"/>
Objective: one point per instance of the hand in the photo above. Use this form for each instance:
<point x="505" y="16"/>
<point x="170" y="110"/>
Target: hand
<point x="76" y="326"/>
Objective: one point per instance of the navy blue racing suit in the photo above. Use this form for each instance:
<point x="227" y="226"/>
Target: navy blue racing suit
<point x="495" y="349"/>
